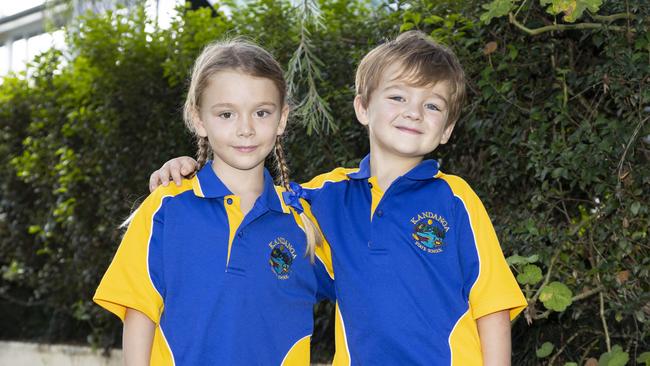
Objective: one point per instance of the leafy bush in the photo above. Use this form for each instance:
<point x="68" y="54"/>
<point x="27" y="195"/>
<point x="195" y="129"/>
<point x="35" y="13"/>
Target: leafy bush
<point x="554" y="138"/>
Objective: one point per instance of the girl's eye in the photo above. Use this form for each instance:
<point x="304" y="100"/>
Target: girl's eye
<point x="431" y="107"/>
<point x="262" y="113"/>
<point x="226" y="115"/>
<point x="396" y="98"/>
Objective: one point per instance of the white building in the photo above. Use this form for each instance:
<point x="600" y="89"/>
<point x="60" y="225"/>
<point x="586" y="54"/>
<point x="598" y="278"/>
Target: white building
<point x="28" y="27"/>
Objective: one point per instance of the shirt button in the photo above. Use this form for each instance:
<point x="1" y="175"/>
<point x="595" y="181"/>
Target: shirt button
<point x="369" y="184"/>
<point x="380" y="213"/>
<point x="240" y="234"/>
<point x="229" y="201"/>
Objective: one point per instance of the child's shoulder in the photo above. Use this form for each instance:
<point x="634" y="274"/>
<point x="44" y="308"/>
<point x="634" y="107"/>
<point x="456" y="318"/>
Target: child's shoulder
<point x="458" y="186"/>
<point x="336" y="175"/>
<point x="172" y="190"/>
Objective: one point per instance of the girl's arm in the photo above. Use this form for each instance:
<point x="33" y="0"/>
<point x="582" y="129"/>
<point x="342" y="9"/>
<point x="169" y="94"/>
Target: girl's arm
<point x="494" y="332"/>
<point x="174" y="169"/>
<point x="137" y="338"/>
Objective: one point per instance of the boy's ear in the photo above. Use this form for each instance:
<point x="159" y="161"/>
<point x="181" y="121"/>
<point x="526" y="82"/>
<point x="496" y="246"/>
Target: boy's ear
<point x="198" y="124"/>
<point x="360" y="110"/>
<point x="283" y="120"/>
<point x="446" y="134"/>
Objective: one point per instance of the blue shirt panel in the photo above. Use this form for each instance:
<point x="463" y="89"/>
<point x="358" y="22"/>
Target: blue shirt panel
<point x="242" y="314"/>
<point x="398" y="302"/>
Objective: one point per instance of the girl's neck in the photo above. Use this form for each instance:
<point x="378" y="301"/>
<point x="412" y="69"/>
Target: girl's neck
<point x="387" y="167"/>
<point x="247" y="184"/>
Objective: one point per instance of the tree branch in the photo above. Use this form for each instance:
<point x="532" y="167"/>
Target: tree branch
<point x="564" y="27"/>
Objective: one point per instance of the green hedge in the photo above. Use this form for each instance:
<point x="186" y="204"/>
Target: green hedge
<point x="554" y="138"/>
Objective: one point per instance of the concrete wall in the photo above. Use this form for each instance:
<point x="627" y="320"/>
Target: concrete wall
<point x="32" y="354"/>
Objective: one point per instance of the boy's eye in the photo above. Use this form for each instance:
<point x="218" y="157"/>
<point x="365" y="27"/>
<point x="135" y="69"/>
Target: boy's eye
<point x="262" y="113"/>
<point x="225" y="115"/>
<point x="396" y="98"/>
<point x="431" y="107"/>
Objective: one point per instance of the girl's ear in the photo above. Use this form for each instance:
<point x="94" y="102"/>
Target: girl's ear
<point x="199" y="127"/>
<point x="284" y="116"/>
<point x="360" y="111"/>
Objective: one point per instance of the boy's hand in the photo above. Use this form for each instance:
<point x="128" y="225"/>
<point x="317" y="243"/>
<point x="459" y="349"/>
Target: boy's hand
<point x="175" y="169"/>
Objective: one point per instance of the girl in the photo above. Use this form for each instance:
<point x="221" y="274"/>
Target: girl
<point x="212" y="272"/>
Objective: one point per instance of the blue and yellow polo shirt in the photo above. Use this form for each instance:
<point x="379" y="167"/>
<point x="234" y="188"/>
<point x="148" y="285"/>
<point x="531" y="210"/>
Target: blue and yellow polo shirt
<point x="415" y="266"/>
<point x="221" y="287"/>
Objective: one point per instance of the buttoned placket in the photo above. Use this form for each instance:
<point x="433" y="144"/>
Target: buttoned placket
<point x="239" y="250"/>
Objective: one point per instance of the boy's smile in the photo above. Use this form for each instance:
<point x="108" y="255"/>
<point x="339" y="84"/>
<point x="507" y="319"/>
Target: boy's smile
<point x="405" y="121"/>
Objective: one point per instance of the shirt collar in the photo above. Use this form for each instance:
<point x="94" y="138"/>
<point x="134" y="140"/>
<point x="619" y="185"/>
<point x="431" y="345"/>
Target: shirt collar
<point x="364" y="169"/>
<point x="207" y="184"/>
<point x="427" y="169"/>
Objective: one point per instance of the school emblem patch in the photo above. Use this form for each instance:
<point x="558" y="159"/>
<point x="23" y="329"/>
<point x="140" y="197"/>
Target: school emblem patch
<point x="429" y="231"/>
<point x="281" y="258"/>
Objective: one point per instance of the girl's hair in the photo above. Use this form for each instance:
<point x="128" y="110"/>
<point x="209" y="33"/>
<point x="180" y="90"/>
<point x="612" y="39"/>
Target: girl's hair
<point x="246" y="57"/>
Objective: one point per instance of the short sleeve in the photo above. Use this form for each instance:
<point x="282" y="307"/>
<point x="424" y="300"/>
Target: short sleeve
<point x="134" y="277"/>
<point x="488" y="279"/>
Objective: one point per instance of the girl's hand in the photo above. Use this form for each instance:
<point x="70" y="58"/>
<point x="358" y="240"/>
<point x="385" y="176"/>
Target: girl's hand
<point x="175" y="169"/>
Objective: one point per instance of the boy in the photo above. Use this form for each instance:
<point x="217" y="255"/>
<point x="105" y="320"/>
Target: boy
<point x="419" y="274"/>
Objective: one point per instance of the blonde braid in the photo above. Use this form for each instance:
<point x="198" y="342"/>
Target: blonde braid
<point x="314" y="237"/>
<point x="281" y="162"/>
<point x="204" y="151"/>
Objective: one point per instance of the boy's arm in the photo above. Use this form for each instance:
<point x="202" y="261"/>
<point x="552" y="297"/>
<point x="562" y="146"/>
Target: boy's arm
<point x="175" y="169"/>
<point x="137" y="338"/>
<point x="494" y="332"/>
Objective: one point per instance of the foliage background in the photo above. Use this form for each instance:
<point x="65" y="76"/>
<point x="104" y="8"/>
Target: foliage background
<point x="554" y="138"/>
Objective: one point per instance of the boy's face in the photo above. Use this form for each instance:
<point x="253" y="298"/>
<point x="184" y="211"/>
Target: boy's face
<point x="405" y="121"/>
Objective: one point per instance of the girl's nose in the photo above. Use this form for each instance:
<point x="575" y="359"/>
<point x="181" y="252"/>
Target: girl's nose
<point x="245" y="128"/>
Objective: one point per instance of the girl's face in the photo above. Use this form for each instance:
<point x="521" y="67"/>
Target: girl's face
<point x="241" y="115"/>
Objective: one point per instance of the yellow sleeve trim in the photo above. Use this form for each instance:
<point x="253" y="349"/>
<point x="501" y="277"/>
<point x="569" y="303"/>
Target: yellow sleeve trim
<point x="299" y="353"/>
<point x="336" y="175"/>
<point x="127" y="282"/>
<point x="495" y="288"/>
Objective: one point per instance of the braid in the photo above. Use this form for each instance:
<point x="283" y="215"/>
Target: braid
<point x="203" y="152"/>
<point x="314" y="237"/>
<point x="281" y="162"/>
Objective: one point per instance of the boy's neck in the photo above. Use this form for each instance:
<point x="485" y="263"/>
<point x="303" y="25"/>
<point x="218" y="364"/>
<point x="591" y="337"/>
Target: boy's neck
<point x="387" y="167"/>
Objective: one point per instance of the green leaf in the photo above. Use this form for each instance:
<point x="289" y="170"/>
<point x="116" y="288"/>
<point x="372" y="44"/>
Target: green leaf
<point x="530" y="275"/>
<point x="406" y="26"/>
<point x="644" y="358"/>
<point x="572" y="9"/>
<point x="635" y="208"/>
<point x="545" y="350"/>
<point x="556" y="296"/>
<point x="617" y="357"/>
<point x="496" y="9"/>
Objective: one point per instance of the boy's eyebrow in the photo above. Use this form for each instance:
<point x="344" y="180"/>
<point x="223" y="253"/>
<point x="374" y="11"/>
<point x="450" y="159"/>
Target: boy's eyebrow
<point x="400" y="86"/>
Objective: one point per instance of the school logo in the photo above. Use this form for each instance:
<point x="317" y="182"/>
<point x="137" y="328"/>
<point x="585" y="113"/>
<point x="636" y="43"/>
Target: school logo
<point x="282" y="255"/>
<point x="429" y="231"/>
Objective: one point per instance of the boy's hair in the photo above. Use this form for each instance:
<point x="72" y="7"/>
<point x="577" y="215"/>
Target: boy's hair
<point x="423" y="63"/>
<point x="246" y="57"/>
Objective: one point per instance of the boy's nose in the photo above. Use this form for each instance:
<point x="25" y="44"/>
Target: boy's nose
<point x="412" y="112"/>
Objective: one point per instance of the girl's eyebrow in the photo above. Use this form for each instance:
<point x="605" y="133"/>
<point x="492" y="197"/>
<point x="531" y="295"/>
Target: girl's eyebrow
<point x="221" y="105"/>
<point x="230" y="105"/>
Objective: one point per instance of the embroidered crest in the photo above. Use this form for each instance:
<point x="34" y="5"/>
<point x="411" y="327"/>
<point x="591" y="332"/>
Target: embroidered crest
<point x="281" y="258"/>
<point x="429" y="231"/>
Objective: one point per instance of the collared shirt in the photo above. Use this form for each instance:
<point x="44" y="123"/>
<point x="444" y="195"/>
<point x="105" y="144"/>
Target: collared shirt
<point x="221" y="287"/>
<point x="415" y="266"/>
